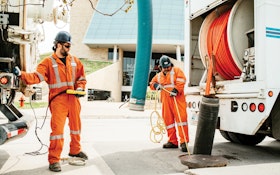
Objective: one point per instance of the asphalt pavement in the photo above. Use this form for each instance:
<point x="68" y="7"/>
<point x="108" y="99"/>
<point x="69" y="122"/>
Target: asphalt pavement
<point x="117" y="141"/>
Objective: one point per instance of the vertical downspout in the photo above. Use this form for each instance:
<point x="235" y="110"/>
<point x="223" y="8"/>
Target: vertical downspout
<point x="115" y="53"/>
<point x="143" y="55"/>
<point x="178" y="53"/>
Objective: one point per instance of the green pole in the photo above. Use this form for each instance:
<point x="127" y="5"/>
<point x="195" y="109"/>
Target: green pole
<point x="143" y="55"/>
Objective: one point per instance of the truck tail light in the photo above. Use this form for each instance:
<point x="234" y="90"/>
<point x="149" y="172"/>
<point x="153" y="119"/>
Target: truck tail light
<point x="253" y="107"/>
<point x="261" y="107"/>
<point x="194" y="105"/>
<point x="7" y="80"/>
<point x="4" y="80"/>
<point x="189" y="104"/>
<point x="270" y="93"/>
<point x="244" y="107"/>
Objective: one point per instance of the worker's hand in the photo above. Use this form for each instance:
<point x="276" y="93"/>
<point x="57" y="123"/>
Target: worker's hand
<point x="17" y="71"/>
<point x="80" y="92"/>
<point x="157" y="86"/>
<point x="174" y="92"/>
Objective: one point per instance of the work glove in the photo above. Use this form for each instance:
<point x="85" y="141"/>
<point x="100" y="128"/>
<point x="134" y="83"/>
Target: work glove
<point x="80" y="92"/>
<point x="174" y="92"/>
<point x="17" y="71"/>
<point x="157" y="86"/>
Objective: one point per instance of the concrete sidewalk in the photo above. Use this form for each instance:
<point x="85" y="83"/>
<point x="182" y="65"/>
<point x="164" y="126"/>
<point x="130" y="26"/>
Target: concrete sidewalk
<point x="116" y="140"/>
<point x="102" y="110"/>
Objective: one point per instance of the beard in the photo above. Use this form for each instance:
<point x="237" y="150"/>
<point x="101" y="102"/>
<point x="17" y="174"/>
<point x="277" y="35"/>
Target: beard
<point x="165" y="71"/>
<point x="64" y="53"/>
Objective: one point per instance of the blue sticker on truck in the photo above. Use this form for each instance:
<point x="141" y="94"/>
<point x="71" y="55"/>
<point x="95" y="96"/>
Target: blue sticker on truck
<point x="272" y="32"/>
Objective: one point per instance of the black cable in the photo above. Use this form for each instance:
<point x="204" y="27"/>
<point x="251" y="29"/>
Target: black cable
<point x="35" y="153"/>
<point x="107" y="14"/>
<point x="126" y="101"/>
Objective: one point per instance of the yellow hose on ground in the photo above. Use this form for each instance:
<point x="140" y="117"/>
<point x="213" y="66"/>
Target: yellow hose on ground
<point x="158" y="127"/>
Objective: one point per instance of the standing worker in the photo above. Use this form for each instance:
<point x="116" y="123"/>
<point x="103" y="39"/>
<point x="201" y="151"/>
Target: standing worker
<point x="171" y="81"/>
<point x="62" y="72"/>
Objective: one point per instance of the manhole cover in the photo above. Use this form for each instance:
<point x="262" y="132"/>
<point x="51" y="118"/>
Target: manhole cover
<point x="202" y="161"/>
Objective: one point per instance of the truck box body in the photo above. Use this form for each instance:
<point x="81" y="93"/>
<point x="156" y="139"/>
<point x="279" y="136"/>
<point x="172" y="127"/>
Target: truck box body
<point x="246" y="64"/>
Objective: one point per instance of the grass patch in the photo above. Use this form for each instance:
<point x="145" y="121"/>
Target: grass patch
<point x="94" y="65"/>
<point x="42" y="56"/>
<point x="34" y="104"/>
<point x="90" y="65"/>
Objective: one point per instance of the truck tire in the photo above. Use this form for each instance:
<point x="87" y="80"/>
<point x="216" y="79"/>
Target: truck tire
<point x="225" y="135"/>
<point x="233" y="137"/>
<point x="246" y="139"/>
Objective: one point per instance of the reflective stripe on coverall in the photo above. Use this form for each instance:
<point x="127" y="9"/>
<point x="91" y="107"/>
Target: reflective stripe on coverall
<point x="173" y="79"/>
<point x="61" y="77"/>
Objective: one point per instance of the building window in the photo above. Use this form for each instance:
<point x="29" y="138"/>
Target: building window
<point x="128" y="68"/>
<point x="129" y="64"/>
<point x="95" y="94"/>
<point x="111" y="54"/>
<point x="125" y="96"/>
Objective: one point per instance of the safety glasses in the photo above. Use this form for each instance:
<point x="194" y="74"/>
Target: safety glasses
<point x="67" y="46"/>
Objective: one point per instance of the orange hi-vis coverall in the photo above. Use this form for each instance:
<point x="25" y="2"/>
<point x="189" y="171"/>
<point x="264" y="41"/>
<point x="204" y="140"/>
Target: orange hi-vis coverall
<point x="59" y="78"/>
<point x="173" y="79"/>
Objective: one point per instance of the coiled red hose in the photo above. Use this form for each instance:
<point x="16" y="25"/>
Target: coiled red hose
<point x="217" y="46"/>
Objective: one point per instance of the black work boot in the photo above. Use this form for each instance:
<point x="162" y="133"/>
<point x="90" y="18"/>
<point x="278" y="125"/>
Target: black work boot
<point x="184" y="147"/>
<point x="169" y="145"/>
<point x="55" y="167"/>
<point x="80" y="154"/>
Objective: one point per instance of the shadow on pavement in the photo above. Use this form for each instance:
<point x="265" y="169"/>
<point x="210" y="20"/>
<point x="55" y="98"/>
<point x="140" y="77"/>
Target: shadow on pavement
<point x="127" y="158"/>
<point x="4" y="156"/>
<point x="44" y="170"/>
<point x="239" y="155"/>
<point x="163" y="161"/>
<point x="146" y="162"/>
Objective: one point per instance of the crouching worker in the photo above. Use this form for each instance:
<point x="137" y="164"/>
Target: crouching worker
<point x="62" y="72"/>
<point x="171" y="81"/>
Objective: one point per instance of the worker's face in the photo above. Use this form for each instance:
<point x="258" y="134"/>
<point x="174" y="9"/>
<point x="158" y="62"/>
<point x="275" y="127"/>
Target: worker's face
<point x="165" y="70"/>
<point x="65" y="48"/>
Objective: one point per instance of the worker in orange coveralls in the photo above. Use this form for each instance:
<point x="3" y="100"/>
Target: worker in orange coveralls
<point x="171" y="81"/>
<point x="61" y="71"/>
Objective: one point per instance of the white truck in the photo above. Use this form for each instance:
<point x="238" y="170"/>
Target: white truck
<point x="241" y="40"/>
<point x="21" y="30"/>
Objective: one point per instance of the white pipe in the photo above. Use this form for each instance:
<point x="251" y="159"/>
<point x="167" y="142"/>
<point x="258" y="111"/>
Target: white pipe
<point x="178" y="53"/>
<point x="115" y="53"/>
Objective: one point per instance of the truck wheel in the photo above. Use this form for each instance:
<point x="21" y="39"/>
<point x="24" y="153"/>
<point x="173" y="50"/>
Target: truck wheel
<point x="233" y="137"/>
<point x="225" y="135"/>
<point x="246" y="139"/>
